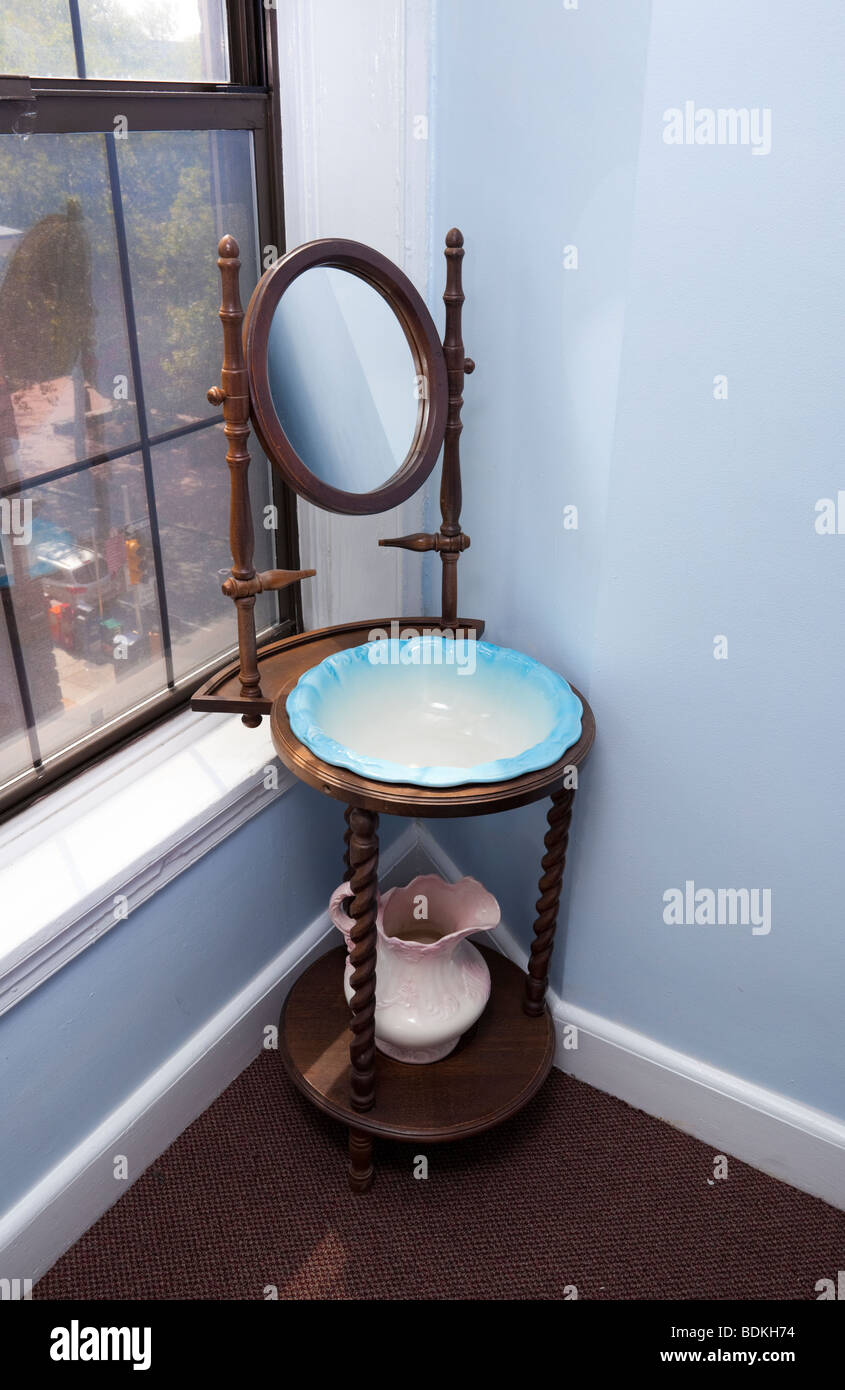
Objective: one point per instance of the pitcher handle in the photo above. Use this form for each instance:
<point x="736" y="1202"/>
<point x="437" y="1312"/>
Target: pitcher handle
<point x="337" y="912"/>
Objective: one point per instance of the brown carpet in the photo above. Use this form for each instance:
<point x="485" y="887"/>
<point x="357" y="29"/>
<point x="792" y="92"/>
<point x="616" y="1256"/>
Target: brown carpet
<point x="579" y="1189"/>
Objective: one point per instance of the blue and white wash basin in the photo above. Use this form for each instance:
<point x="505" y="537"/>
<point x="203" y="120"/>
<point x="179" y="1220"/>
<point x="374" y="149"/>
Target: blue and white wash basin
<point x="434" y="711"/>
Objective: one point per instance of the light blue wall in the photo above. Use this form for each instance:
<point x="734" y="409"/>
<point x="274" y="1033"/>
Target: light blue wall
<point x="77" y="1047"/>
<point x="697" y="515"/>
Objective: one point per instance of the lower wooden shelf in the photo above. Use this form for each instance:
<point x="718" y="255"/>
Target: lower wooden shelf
<point x="494" y="1071"/>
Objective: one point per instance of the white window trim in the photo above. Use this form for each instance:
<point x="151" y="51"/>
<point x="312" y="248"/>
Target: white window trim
<point x="74" y="864"/>
<point x="361" y="134"/>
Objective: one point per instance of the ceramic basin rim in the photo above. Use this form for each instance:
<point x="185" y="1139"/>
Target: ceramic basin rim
<point x="564" y="734"/>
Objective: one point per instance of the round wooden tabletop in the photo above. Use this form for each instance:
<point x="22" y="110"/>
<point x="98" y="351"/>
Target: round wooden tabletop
<point x="396" y="799"/>
<point x="495" y="1069"/>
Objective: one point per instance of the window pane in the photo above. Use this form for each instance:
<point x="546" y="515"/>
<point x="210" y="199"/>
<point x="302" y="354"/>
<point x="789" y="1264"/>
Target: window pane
<point x="192" y="492"/>
<point x="36" y="40"/>
<point x="182" y="190"/>
<point x="109" y="341"/>
<point x="66" y="388"/>
<point x="91" y="638"/>
<point x="167" y="40"/>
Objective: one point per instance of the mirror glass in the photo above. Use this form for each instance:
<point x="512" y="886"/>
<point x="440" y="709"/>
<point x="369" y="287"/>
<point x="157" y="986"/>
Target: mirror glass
<point x="343" y="379"/>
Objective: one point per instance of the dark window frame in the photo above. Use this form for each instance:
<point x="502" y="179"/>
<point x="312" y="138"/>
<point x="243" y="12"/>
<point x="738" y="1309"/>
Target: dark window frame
<point x="249" y="101"/>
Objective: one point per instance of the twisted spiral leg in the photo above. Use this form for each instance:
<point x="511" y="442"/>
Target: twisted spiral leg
<point x="346" y="838"/>
<point x="360" y="1160"/>
<point x="363" y="860"/>
<point x="557" y="837"/>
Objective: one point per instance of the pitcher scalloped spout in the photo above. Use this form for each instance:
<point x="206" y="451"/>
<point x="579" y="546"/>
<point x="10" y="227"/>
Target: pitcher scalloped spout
<point x="432" y="984"/>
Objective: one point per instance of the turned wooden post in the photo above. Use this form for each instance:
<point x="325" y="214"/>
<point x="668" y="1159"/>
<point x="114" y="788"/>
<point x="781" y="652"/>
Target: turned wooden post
<point x="360" y="1160"/>
<point x="452" y="539"/>
<point x="244" y="585"/>
<point x="553" y="861"/>
<point x="233" y="395"/>
<point x="346" y="839"/>
<point x="363" y="859"/>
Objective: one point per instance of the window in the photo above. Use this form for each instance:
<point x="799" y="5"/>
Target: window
<point x="133" y="134"/>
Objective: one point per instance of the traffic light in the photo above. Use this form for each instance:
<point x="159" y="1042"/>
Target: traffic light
<point x="136" y="560"/>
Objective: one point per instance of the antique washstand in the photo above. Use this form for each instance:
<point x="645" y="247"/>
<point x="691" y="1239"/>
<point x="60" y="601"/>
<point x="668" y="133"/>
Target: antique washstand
<point x="337" y="365"/>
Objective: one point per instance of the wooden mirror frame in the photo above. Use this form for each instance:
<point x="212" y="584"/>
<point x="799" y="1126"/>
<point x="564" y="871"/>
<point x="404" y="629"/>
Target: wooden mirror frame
<point x="440" y="422"/>
<point x="426" y="349"/>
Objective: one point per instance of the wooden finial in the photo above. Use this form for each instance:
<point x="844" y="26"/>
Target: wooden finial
<point x="228" y="249"/>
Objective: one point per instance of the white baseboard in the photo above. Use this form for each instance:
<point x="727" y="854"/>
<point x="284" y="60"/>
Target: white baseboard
<point x="75" y="1193"/>
<point x="772" y="1132"/>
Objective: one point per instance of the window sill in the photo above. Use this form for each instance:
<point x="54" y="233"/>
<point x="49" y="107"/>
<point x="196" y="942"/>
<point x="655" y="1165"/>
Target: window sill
<point x="81" y="860"/>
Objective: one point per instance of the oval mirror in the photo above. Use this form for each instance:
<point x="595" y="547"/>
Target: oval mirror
<point x="348" y="385"/>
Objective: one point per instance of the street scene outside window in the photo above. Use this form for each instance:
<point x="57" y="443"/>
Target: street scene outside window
<point x="113" y="486"/>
